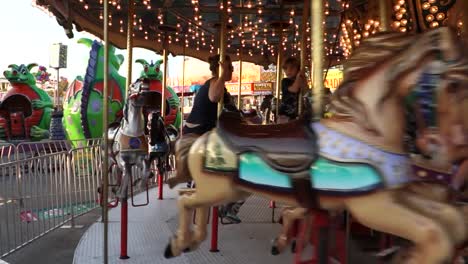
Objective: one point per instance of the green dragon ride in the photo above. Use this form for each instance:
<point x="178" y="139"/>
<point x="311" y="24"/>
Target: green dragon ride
<point x="25" y="110"/>
<point x="83" y="103"/>
<point x="153" y="72"/>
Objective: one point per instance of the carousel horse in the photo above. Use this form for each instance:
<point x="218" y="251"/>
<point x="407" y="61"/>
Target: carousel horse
<point x="161" y="141"/>
<point x="354" y="160"/>
<point x="428" y="158"/>
<point x="128" y="144"/>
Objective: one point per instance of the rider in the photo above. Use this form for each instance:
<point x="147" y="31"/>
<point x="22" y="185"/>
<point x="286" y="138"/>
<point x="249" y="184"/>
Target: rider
<point x="203" y="116"/>
<point x="202" y="119"/>
<point x="290" y="89"/>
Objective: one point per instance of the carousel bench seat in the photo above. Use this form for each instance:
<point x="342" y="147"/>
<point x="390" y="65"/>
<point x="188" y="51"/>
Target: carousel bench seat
<point x="289" y="147"/>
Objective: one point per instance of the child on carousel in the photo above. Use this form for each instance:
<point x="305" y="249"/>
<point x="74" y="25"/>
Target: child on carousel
<point x="290" y="89"/>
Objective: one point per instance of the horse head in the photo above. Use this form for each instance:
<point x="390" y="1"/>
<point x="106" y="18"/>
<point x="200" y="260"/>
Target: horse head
<point x="388" y="68"/>
<point x="137" y="92"/>
<point x="156" y="127"/>
<point x="440" y="99"/>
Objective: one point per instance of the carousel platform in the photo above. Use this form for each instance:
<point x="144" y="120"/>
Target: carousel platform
<point x="150" y="227"/>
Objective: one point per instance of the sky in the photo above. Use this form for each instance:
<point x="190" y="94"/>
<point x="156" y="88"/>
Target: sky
<point x="27" y="33"/>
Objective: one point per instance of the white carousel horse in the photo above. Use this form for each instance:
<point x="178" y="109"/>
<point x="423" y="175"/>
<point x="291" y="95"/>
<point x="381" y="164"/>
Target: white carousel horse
<point x="128" y="144"/>
<point x="354" y="160"/>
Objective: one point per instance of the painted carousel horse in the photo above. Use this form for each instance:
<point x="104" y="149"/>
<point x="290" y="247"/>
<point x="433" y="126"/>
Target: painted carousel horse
<point x="128" y="144"/>
<point x="428" y="155"/>
<point x="161" y="141"/>
<point x="354" y="160"/>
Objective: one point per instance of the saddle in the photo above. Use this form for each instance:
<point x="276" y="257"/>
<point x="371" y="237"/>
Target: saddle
<point x="290" y="148"/>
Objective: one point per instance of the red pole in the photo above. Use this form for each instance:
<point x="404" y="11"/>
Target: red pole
<point x="272" y="205"/>
<point x="124" y="229"/>
<point x="160" y="186"/>
<point x="214" y="231"/>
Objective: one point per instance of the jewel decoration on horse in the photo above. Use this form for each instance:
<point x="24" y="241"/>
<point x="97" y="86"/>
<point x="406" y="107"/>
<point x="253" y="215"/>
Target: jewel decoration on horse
<point x="83" y="101"/>
<point x="152" y="71"/>
<point x="354" y="160"/>
<point x="25" y="111"/>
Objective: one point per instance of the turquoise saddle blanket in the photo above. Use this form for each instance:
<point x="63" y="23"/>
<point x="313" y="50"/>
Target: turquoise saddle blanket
<point x="325" y="175"/>
<point x="345" y="165"/>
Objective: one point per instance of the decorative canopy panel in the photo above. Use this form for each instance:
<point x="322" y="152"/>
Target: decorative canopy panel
<point x="256" y="28"/>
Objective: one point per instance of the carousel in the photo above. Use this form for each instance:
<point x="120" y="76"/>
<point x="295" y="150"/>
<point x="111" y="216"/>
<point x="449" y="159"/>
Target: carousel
<point x="387" y="164"/>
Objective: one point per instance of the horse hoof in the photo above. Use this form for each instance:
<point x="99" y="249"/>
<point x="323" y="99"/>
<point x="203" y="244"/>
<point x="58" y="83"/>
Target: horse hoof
<point x="275" y="251"/>
<point x="187" y="250"/>
<point x="151" y="175"/>
<point x="168" y="251"/>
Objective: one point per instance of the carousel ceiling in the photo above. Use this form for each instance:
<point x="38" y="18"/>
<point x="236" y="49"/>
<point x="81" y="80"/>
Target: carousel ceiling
<point x="257" y="28"/>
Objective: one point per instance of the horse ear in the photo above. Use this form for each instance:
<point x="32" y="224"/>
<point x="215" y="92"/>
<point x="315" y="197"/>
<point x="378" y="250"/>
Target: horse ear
<point x="31" y="65"/>
<point x="12" y="66"/>
<point x="86" y="41"/>
<point x="159" y="62"/>
<point x="142" y="62"/>
<point x="120" y="57"/>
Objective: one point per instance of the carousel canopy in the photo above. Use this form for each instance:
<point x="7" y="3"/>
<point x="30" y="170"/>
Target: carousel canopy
<point x="258" y="28"/>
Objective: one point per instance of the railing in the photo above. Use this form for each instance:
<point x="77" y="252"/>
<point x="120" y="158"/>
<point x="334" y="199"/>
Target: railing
<point x="44" y="185"/>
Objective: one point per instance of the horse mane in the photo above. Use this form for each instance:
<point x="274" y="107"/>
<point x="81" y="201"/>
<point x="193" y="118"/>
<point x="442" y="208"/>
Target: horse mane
<point x="404" y="51"/>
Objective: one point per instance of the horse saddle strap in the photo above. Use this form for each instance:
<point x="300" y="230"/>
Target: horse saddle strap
<point x="302" y="187"/>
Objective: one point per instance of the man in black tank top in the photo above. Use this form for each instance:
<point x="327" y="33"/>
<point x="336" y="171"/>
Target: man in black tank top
<point x="204" y="111"/>
<point x="203" y="116"/>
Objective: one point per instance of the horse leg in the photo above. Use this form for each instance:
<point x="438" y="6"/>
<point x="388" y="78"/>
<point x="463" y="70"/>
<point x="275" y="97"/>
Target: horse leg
<point x="183" y="238"/>
<point x="449" y="217"/>
<point x="211" y="190"/>
<point x="289" y="217"/>
<point x="126" y="176"/>
<point x="201" y="221"/>
<point x="146" y="170"/>
<point x="381" y="212"/>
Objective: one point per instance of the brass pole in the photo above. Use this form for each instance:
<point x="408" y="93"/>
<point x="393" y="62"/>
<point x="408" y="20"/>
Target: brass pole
<point x="240" y="80"/>
<point x="183" y="87"/>
<point x="222" y="47"/>
<point x="164" y="84"/>
<point x="383" y="14"/>
<point x="305" y="18"/>
<point x="105" y="120"/>
<point x="240" y="62"/>
<point x="465" y="20"/>
<point x="317" y="15"/>
<point x="278" y="76"/>
<point x="130" y="18"/>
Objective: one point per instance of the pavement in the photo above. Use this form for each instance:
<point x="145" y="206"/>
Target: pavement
<point x="57" y="246"/>
<point x="149" y="230"/>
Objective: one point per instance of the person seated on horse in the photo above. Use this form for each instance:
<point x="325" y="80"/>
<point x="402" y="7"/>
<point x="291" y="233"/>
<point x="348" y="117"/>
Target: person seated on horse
<point x="290" y="89"/>
<point x="203" y="116"/>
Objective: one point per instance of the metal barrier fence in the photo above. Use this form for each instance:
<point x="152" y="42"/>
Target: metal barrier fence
<point x="44" y="185"/>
